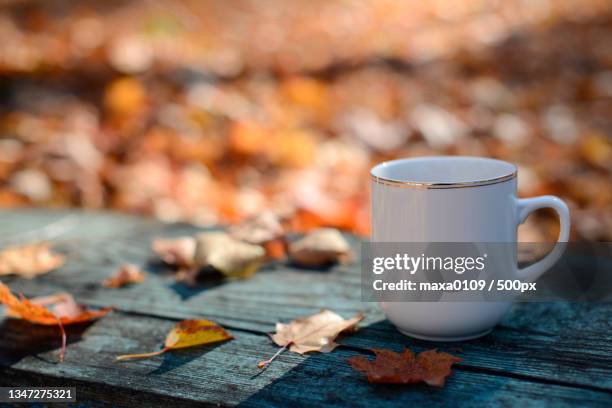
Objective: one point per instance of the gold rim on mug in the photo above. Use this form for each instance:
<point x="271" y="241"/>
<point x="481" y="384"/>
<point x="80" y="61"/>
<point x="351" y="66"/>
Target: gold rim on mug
<point x="465" y="184"/>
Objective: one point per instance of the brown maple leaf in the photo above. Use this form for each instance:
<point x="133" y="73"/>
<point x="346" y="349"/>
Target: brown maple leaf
<point x="125" y="275"/>
<point x="29" y="260"/>
<point x="389" y="367"/>
<point x="59" y="309"/>
<point x="313" y="333"/>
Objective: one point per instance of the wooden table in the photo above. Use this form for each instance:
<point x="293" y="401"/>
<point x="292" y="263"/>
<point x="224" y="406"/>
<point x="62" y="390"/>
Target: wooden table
<point x="553" y="354"/>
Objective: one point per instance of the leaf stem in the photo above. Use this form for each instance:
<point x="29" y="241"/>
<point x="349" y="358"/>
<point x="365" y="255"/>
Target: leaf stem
<point x="63" y="349"/>
<point x="266" y="363"/>
<point x="138" y="356"/>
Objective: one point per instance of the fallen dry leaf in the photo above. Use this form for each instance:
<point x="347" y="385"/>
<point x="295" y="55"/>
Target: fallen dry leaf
<point x="125" y="275"/>
<point x="188" y="333"/>
<point x="313" y="333"/>
<point x="320" y="247"/>
<point x="263" y="229"/>
<point x="276" y="249"/>
<point x="227" y="255"/>
<point x="259" y="229"/>
<point x="188" y="276"/>
<point x="59" y="309"/>
<point x="30" y="260"/>
<point x="389" y="367"/>
<point x="178" y="252"/>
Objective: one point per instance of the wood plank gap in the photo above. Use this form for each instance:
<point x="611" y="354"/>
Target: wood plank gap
<point x="541" y="380"/>
<point x="577" y="335"/>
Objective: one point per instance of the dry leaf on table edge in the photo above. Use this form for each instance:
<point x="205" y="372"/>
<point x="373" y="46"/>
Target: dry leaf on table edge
<point x="313" y="333"/>
<point x="59" y="309"/>
<point x="125" y="275"/>
<point x="178" y="252"/>
<point x="188" y="333"/>
<point x="389" y="367"/>
<point x="263" y="229"/>
<point x="276" y="249"/>
<point x="29" y="260"/>
<point x="227" y="255"/>
<point x="320" y="247"/>
<point x="258" y="229"/>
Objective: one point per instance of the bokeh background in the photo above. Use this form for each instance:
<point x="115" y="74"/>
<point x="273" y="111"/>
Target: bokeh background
<point x="209" y="111"/>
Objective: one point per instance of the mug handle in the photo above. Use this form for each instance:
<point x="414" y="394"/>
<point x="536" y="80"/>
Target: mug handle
<point x="525" y="207"/>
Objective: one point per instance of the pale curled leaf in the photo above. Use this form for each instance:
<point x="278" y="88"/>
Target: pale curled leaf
<point x="188" y="333"/>
<point x="125" y="275"/>
<point x="263" y="229"/>
<point x="188" y="276"/>
<point x="259" y="229"/>
<point x="389" y="367"/>
<point x="178" y="252"/>
<point x="314" y="333"/>
<point x="229" y="256"/>
<point x="29" y="260"/>
<point x="320" y="247"/>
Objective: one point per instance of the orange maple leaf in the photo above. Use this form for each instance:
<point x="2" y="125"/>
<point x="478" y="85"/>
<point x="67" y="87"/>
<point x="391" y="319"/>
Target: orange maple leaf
<point x="59" y="309"/>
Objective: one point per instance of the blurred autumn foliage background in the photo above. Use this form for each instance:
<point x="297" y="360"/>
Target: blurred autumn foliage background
<point x="210" y="111"/>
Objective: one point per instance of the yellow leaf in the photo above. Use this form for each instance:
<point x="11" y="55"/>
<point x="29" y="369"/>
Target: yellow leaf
<point x="188" y="333"/>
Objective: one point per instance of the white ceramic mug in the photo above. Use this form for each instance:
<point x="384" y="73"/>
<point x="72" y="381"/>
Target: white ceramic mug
<point x="454" y="199"/>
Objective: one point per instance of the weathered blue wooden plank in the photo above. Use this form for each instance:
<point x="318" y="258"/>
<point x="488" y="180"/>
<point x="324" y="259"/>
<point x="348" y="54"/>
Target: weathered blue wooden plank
<point x="563" y="344"/>
<point x="540" y="350"/>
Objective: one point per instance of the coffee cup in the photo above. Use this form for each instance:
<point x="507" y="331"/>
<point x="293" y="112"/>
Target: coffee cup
<point x="455" y="199"/>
